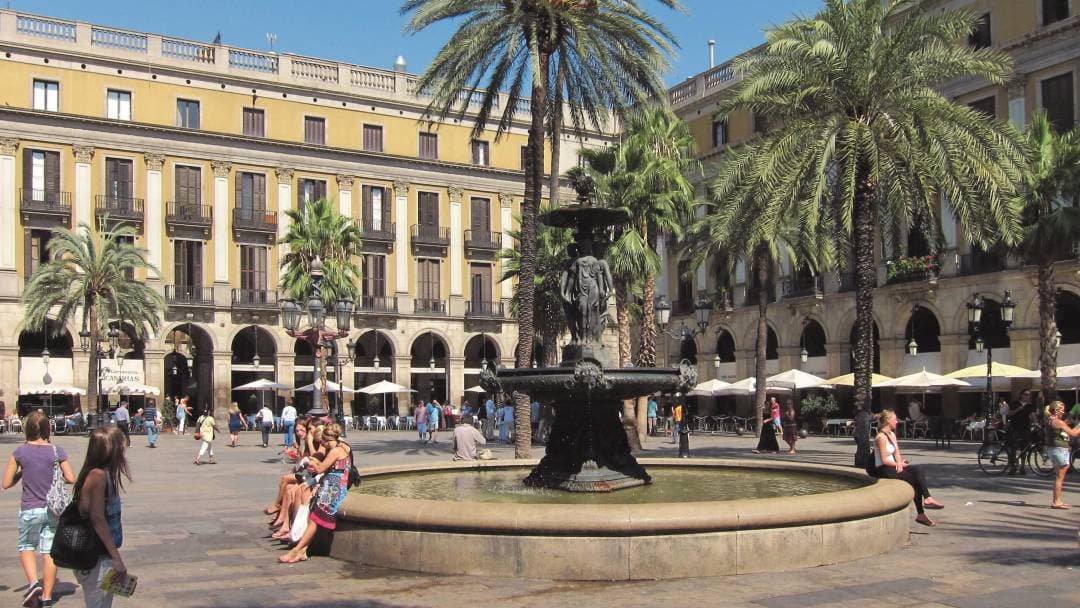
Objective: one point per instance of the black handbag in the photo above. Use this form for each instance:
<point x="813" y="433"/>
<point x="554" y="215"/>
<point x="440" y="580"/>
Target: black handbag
<point x="354" y="474"/>
<point x="76" y="544"/>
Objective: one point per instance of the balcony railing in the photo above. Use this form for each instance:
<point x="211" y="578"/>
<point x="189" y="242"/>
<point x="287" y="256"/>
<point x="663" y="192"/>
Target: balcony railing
<point x="980" y="262"/>
<point x="906" y="269"/>
<point x="377" y="304"/>
<point x="475" y="309"/>
<point x="423" y="306"/>
<point x="45" y="201"/>
<point x="483" y="239"/>
<point x="376" y="229"/>
<point x="802" y="287"/>
<point x="190" y="295"/>
<point x="423" y="234"/>
<point x="119" y="207"/>
<point x="254" y="298"/>
<point x="187" y="213"/>
<point x="261" y="220"/>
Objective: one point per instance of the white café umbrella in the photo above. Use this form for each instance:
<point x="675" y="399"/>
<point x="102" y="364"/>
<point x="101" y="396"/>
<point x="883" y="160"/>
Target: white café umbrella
<point x="920" y="380"/>
<point x="384" y="387"/>
<point x="331" y="387"/>
<point x="50" y="390"/>
<point x="746" y="387"/>
<point x="262" y="384"/>
<point x="475" y="389"/>
<point x="794" y="379"/>
<point x="709" y="387"/>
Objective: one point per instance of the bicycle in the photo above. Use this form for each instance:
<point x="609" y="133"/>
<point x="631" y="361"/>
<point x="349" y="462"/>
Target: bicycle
<point x="995" y="456"/>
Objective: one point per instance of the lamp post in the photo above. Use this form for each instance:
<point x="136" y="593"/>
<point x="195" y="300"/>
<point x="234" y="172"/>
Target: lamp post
<point x="317" y="334"/>
<point x="100" y="354"/>
<point x="912" y="345"/>
<point x="977" y="329"/>
<point x="663" y="318"/>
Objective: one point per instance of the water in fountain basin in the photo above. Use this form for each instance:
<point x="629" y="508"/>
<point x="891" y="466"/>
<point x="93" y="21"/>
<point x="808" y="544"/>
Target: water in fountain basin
<point x="670" y="484"/>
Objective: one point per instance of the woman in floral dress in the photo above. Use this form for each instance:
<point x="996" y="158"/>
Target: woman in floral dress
<point x="331" y="492"/>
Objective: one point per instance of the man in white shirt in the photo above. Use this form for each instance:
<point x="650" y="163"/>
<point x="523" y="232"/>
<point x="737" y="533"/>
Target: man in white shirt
<point x="467" y="440"/>
<point x="288" y="420"/>
<point x="123" y="420"/>
<point x="265" y="418"/>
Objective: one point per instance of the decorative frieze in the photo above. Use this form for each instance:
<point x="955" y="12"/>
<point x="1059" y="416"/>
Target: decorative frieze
<point x="401" y="188"/>
<point x="506" y="199"/>
<point x="455" y="194"/>
<point x="345" y="182"/>
<point x="220" y="168"/>
<point x="154" y="161"/>
<point x="83" y="154"/>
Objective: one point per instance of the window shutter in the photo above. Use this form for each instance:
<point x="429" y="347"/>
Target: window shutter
<point x="365" y="206"/>
<point x="197" y="264"/>
<point x="28" y="175"/>
<point x="258" y="200"/>
<point x="240" y="191"/>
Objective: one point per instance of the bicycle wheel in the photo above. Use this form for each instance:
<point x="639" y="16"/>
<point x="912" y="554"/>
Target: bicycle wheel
<point x="1039" y="462"/>
<point x="993" y="458"/>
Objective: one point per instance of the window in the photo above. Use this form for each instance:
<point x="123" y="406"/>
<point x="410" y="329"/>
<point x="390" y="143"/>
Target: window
<point x="979" y="38"/>
<point x="428" y="214"/>
<point x="47" y="95"/>
<point x="1057" y="100"/>
<point x="375" y="212"/>
<point x="427" y="279"/>
<point x="187" y="265"/>
<point x="373" y="138"/>
<point x="129" y="273"/>
<point x="685" y="299"/>
<point x="252" y="268"/>
<point x="761" y="123"/>
<point x="41" y="176"/>
<point x="37" y="250"/>
<point x="1054" y="11"/>
<point x="188" y="186"/>
<point x="480" y="285"/>
<point x="719" y="133"/>
<point x="480" y="219"/>
<point x="524" y="157"/>
<point x="187" y="114"/>
<point x="254" y="122"/>
<point x="118" y="181"/>
<point x="480" y="154"/>
<point x="373" y="268"/>
<point x="118" y="105"/>
<point x="987" y="106"/>
<point x="251" y="191"/>
<point x="310" y="190"/>
<point x="429" y="146"/>
<point x="315" y="130"/>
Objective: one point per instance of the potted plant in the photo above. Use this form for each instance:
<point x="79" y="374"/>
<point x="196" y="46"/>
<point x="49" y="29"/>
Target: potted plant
<point x="816" y="406"/>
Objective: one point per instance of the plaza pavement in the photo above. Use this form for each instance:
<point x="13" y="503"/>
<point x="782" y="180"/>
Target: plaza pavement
<point x="196" y="537"/>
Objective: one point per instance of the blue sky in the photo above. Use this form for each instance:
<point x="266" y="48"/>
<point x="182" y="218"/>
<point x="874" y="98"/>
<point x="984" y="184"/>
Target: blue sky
<point x="368" y="32"/>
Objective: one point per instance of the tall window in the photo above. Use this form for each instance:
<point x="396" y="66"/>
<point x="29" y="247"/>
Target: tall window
<point x="187" y="114"/>
<point x="480" y="285"/>
<point x="719" y="133"/>
<point x="373" y="268"/>
<point x="1054" y="11"/>
<point x="987" y="106"/>
<point x="310" y="190"/>
<point x="1057" y="100"/>
<point x="47" y="95"/>
<point x="118" y="105"/>
<point x="480" y="153"/>
<point x="427" y="279"/>
<point x="429" y="146"/>
<point x="315" y="130"/>
<point x="251" y="191"/>
<point x="129" y="273"/>
<point x="480" y="219"/>
<point x="188" y="266"/>
<point x="41" y="176"/>
<point x="188" y="186"/>
<point x="254" y="122"/>
<point x="375" y="211"/>
<point x="252" y="268"/>
<point x="428" y="213"/>
<point x="118" y="180"/>
<point x="373" y="138"/>
<point x="761" y="123"/>
<point x="980" y="38"/>
<point x="37" y="250"/>
<point x="685" y="288"/>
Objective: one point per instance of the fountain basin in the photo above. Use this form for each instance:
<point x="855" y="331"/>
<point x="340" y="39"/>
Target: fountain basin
<point x="624" y="541"/>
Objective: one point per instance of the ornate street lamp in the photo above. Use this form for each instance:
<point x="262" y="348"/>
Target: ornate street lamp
<point x="912" y="345"/>
<point x="977" y="329"/>
<point x="663" y="316"/>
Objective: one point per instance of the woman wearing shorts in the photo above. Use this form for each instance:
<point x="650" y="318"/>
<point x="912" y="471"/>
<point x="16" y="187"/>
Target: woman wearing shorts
<point x="1057" y="443"/>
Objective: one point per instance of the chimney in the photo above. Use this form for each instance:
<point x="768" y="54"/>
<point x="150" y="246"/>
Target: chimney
<point x="712" y="54"/>
<point x="399" y="63"/>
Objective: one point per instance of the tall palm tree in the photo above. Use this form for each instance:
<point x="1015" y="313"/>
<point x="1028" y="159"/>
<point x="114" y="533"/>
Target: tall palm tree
<point x="318" y="230"/>
<point x="87" y="276"/>
<point x="862" y="136"/>
<point x="1050" y="191"/>
<point x="613" y="53"/>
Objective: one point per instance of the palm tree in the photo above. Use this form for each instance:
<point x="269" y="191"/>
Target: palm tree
<point x="551" y="260"/>
<point x="862" y="138"/>
<point x="318" y="230"/>
<point x="1051" y="225"/>
<point x="87" y="275"/>
<point x="612" y="53"/>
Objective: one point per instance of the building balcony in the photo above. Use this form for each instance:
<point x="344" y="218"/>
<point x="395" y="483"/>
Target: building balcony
<point x="376" y="229"/>
<point x="482" y="241"/>
<point x="119" y="208"/>
<point x="425" y="236"/>
<point x="377" y="305"/>
<point x="187" y="295"/>
<point x="256" y="222"/>
<point x="484" y="310"/>
<point x="254" y="299"/>
<point x="980" y="262"/>
<point x="804" y="287"/>
<point x="424" y="306"/>
<point x="186" y="219"/>
<point x="906" y="269"/>
<point x="45" y="207"/>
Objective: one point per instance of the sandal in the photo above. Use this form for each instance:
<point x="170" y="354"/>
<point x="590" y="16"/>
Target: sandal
<point x="288" y="558"/>
<point x="198" y="462"/>
<point x="926" y="521"/>
<point x="1061" y="506"/>
<point x="933" y="505"/>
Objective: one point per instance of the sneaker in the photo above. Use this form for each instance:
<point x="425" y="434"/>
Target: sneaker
<point x="33" y="592"/>
<point x="47" y="603"/>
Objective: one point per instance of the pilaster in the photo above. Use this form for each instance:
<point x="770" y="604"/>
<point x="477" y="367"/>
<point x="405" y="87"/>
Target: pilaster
<point x="221" y="224"/>
<point x="154" y="205"/>
<point x="83" y="211"/>
<point x="401" y="245"/>
<point x="284" y="203"/>
<point x="456" y="242"/>
<point x="506" y="222"/>
<point x="345" y="191"/>
<point x="8" y="205"/>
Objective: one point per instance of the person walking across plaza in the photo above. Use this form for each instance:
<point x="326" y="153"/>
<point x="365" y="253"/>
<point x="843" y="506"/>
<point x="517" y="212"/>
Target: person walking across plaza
<point x="467" y="440"/>
<point x="183" y="410"/>
<point x="236" y="423"/>
<point x="1059" y="434"/>
<point x="791" y="427"/>
<point x="506" y="422"/>
<point x="650" y="413"/>
<point x="265" y="418"/>
<point x="420" y="415"/>
<point x="97" y="492"/>
<point x="288" y="420"/>
<point x="489" y="418"/>
<point x="35" y="463"/>
<point x="891" y="464"/>
<point x="123" y="421"/>
<point x="434" y="412"/>
<point x="677" y="417"/>
<point x="767" y="439"/>
<point x="152" y="421"/>
<point x="207" y="428"/>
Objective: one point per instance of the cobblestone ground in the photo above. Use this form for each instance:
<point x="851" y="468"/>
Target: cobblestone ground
<point x="196" y="537"/>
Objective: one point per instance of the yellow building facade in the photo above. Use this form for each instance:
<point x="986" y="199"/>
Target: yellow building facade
<point x="203" y="148"/>
<point x="816" y="313"/>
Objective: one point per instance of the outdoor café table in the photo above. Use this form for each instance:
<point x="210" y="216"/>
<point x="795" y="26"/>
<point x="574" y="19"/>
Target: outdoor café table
<point x="839" y="425"/>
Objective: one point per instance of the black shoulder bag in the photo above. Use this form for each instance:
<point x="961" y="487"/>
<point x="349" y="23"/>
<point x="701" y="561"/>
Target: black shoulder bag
<point x="76" y="544"/>
<point x="354" y="475"/>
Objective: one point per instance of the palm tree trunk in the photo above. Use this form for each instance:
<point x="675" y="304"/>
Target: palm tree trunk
<point x="534" y="175"/>
<point x="761" y="352"/>
<point x="556" y="136"/>
<point x="549" y="334"/>
<point x="863" y="347"/>
<point x="1047" y="330"/>
<point x="622" y="319"/>
<point x="92" y="376"/>
<point x="646" y="355"/>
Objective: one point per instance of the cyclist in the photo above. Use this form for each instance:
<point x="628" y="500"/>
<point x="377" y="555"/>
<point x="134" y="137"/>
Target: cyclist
<point x="1018" y="430"/>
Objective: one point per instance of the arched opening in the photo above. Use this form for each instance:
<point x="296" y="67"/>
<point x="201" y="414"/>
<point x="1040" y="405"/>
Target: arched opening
<point x="923" y="327"/>
<point x="189" y="365"/>
<point x="725" y="346"/>
<point x="772" y="345"/>
<point x="480" y="350"/>
<point x="429" y="367"/>
<point x="126" y="366"/>
<point x="813" y="339"/>
<point x="373" y="361"/>
<point x="688" y="351"/>
<point x="1068" y="317"/>
<point x="877" y="350"/>
<point x="37" y="378"/>
<point x="992" y="329"/>
<point x="304" y="374"/>
<point x="539" y="354"/>
<point x="247" y="367"/>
